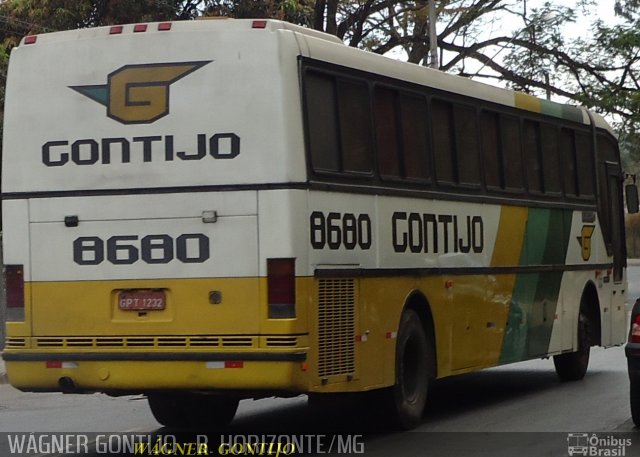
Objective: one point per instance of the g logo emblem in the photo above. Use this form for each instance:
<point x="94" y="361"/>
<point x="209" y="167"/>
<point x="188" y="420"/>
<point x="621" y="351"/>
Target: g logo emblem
<point x="585" y="241"/>
<point x="139" y="94"/>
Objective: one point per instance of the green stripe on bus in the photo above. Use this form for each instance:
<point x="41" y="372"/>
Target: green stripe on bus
<point x="551" y="108"/>
<point x="568" y="112"/>
<point x="535" y="295"/>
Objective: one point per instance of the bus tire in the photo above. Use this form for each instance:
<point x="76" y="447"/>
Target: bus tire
<point x="414" y="359"/>
<point x="634" y="399"/>
<point x="573" y="365"/>
<point x="192" y="410"/>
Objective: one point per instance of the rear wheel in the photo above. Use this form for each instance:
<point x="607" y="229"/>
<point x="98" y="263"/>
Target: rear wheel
<point x="414" y="362"/>
<point x="192" y="410"/>
<point x="634" y="397"/>
<point x="573" y="366"/>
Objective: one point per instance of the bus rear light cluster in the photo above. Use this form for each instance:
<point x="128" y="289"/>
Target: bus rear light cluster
<point x="281" y="285"/>
<point x="634" y="336"/>
<point x="139" y="28"/>
<point x="14" y="280"/>
<point x="14" y="277"/>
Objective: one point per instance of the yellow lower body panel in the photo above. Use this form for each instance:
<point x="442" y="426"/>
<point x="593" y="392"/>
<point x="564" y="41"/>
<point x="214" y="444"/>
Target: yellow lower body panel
<point x="137" y="376"/>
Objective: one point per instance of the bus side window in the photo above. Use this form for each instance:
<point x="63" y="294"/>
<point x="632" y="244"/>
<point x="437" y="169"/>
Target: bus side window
<point x="355" y="126"/>
<point x="511" y="152"/>
<point x="532" y="156"/>
<point x="584" y="165"/>
<point x="320" y="100"/>
<point x="387" y="139"/>
<point x="568" y="155"/>
<point x="467" y="148"/>
<point x="442" y="131"/>
<point x="606" y="155"/>
<point x="492" y="157"/>
<point x="550" y="159"/>
<point x="414" y="121"/>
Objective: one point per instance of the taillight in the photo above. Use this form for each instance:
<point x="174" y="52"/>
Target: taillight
<point x="14" y="280"/>
<point x="281" y="284"/>
<point x="634" y="336"/>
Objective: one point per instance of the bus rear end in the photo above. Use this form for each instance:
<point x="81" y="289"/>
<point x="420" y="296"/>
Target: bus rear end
<point x="145" y="170"/>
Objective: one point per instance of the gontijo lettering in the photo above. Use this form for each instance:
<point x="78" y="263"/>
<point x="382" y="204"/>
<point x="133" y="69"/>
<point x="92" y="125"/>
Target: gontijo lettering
<point x="435" y="233"/>
<point x="140" y="149"/>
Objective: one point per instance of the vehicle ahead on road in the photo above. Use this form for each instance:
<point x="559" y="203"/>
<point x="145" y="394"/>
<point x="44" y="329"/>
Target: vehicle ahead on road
<point x="632" y="350"/>
<point x="205" y="211"/>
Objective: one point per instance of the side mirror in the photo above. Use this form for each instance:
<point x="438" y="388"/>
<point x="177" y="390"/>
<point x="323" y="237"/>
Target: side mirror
<point x="631" y="193"/>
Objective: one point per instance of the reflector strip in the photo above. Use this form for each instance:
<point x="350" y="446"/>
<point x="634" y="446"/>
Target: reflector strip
<point x="61" y="364"/>
<point x="361" y="338"/>
<point x="392" y="335"/>
<point x="226" y="364"/>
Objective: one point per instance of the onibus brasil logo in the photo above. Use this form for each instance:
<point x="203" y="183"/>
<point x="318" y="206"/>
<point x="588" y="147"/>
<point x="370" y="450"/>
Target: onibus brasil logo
<point x="593" y="445"/>
<point x="139" y="94"/>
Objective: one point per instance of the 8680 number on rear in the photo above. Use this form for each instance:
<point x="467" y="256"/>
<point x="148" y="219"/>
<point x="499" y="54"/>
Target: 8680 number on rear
<point x="151" y="249"/>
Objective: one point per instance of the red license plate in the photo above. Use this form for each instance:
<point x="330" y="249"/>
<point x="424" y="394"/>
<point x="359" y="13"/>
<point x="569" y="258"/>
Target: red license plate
<point x="142" y="300"/>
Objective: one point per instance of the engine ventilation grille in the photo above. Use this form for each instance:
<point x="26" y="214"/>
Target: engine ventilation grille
<point x="143" y="342"/>
<point x="282" y="341"/>
<point x="16" y="343"/>
<point x="336" y="332"/>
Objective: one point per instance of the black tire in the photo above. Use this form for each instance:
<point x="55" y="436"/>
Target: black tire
<point x="573" y="365"/>
<point x="634" y="399"/>
<point x="192" y="410"/>
<point x="414" y="370"/>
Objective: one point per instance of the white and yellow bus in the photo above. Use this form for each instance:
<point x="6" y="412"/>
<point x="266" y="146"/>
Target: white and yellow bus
<point x="208" y="211"/>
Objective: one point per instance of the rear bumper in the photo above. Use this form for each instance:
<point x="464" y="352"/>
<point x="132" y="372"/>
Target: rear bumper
<point x="143" y="371"/>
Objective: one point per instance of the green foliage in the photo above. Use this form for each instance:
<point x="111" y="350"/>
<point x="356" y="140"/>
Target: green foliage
<point x="297" y="12"/>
